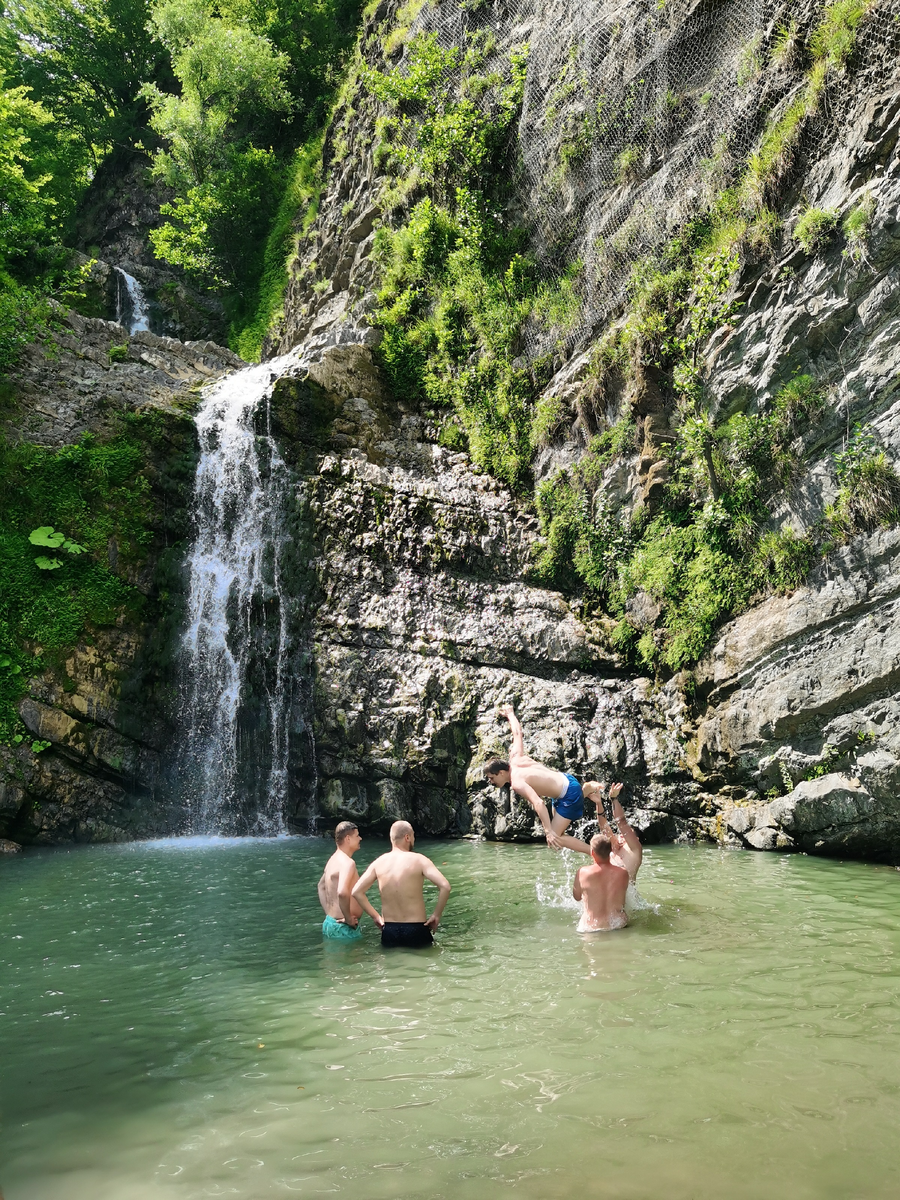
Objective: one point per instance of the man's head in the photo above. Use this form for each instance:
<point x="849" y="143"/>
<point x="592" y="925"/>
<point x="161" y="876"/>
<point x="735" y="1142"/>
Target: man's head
<point x="347" y="837"/>
<point x="601" y="845"/>
<point x="402" y="835"/>
<point x="496" y="772"/>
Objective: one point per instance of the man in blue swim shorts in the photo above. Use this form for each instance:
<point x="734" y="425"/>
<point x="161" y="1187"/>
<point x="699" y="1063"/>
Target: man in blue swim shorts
<point x="342" y="912"/>
<point x="532" y="780"/>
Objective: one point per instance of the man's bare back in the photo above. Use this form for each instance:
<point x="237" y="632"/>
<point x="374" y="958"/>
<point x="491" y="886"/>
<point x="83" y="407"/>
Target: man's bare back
<point x="339" y="868"/>
<point x="401" y="876"/>
<point x="601" y="887"/>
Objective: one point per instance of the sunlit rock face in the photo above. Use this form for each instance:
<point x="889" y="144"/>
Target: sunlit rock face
<point x="423" y="619"/>
<point x="415" y="607"/>
<point x="427" y="615"/>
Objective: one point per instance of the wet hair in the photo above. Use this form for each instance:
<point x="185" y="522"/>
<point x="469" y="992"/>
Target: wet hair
<point x="400" y="830"/>
<point x="344" y="830"/>
<point x="494" y="767"/>
<point x="601" y="845"/>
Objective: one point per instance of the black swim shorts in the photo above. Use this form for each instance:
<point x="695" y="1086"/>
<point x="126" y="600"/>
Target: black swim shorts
<point x="406" y="933"/>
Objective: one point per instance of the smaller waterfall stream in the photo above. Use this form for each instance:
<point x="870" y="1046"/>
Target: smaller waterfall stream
<point x="132" y="308"/>
<point x="237" y="690"/>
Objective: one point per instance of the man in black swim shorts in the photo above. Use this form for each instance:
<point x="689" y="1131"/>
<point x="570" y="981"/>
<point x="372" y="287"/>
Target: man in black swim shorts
<point x="401" y="876"/>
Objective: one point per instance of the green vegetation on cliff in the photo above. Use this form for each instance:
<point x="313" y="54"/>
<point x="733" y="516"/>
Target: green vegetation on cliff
<point x="98" y="495"/>
<point x="461" y="292"/>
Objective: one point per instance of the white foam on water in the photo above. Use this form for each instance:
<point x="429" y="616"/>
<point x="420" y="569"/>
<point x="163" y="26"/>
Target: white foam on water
<point x="206" y="842"/>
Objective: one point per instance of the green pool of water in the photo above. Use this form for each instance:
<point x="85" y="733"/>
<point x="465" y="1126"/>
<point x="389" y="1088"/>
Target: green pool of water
<point x="173" y="1027"/>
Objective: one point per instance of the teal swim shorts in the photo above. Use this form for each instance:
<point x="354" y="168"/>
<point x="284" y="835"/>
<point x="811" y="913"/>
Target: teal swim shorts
<point x="337" y="929"/>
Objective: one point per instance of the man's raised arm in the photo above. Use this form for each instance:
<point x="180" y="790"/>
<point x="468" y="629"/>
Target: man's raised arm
<point x="359" y="894"/>
<point x="632" y="841"/>
<point x="515" y="725"/>
<point x="433" y="875"/>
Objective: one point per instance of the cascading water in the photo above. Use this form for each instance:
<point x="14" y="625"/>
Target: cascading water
<point x="238" y="688"/>
<point x="132" y="308"/>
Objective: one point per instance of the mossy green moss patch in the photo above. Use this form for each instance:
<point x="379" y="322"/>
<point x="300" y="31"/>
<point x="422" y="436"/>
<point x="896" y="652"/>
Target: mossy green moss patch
<point x="98" y="495"/>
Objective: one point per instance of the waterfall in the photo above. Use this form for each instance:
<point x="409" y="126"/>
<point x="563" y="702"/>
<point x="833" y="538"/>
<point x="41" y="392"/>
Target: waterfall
<point x="132" y="308"/>
<point x="238" y="685"/>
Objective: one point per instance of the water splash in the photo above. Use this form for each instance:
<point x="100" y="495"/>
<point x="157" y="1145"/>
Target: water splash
<point x="237" y="692"/>
<point x="555" y="889"/>
<point x="132" y="307"/>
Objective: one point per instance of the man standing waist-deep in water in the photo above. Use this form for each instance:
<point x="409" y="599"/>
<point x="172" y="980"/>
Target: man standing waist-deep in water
<point x="532" y="780"/>
<point x="601" y="888"/>
<point x="401" y="875"/>
<point x="342" y="913"/>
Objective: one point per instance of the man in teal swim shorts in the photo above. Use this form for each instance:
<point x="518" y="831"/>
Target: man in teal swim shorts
<point x="532" y="781"/>
<point x="336" y="886"/>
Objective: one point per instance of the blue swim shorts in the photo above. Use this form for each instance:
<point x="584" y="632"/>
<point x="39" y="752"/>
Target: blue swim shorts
<point x="339" y="931"/>
<point x="571" y="805"/>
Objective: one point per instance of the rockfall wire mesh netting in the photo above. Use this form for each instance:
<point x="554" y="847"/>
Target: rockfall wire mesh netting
<point x="633" y="116"/>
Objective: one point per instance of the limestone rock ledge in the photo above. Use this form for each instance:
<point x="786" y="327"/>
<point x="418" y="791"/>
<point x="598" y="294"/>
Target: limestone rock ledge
<point x="423" y="618"/>
<point x="801" y="683"/>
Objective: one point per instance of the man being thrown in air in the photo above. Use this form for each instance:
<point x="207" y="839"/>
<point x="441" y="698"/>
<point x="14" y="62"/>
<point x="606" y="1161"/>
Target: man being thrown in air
<point x="532" y="780"/>
<point x="401" y="876"/>
<point x="601" y="888"/>
<point x="342" y="913"/>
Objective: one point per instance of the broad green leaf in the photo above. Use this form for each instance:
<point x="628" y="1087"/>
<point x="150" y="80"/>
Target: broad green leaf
<point x="47" y="564"/>
<point x="46" y="535"/>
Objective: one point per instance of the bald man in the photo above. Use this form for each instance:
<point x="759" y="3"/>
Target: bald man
<point x="601" y="888"/>
<point x="401" y="875"/>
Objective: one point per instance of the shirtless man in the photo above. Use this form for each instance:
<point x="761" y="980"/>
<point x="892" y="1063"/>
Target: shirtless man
<point x="532" y="780"/>
<point x="601" y="887"/>
<point x="342" y="913"/>
<point x="627" y="850"/>
<point x="401" y="875"/>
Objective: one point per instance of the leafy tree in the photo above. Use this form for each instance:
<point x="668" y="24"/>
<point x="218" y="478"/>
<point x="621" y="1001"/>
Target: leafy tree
<point x="86" y="61"/>
<point x="25" y="207"/>
<point x="220" y="224"/>
<point x="228" y="76"/>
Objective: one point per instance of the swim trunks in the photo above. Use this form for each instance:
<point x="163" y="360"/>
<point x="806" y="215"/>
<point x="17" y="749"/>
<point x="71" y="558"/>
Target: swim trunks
<point x="406" y="933"/>
<point x="571" y="805"/>
<point x="340" y="931"/>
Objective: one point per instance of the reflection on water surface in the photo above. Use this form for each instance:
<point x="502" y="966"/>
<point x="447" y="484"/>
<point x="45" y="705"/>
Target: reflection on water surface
<point x="173" y="1027"/>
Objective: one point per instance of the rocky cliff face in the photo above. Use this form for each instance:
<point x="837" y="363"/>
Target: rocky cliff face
<point x="100" y="713"/>
<point x="422" y="620"/>
<point x="119" y="209"/>
<point x="428" y="618"/>
<point x="419" y="608"/>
